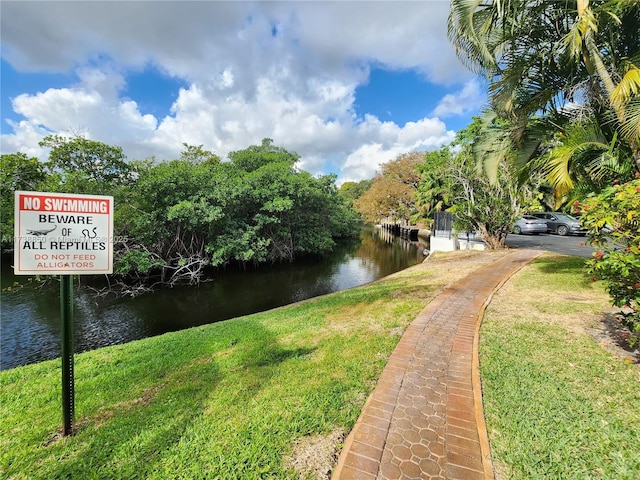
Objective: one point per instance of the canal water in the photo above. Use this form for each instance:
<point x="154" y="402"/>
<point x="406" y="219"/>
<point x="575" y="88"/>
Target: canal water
<point x="30" y="326"/>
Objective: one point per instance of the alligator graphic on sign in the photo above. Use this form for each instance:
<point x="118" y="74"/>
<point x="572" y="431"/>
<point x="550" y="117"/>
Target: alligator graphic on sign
<point x="39" y="233"/>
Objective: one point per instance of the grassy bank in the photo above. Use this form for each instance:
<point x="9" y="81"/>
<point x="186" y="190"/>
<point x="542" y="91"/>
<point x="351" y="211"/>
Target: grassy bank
<point x="558" y="402"/>
<point x="236" y="399"/>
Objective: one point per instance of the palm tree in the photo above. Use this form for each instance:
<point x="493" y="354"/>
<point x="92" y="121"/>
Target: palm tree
<point x="434" y="190"/>
<point x="552" y="63"/>
<point x="581" y="40"/>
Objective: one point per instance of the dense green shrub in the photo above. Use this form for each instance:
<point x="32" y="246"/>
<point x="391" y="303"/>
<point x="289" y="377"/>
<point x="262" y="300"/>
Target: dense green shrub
<point x="613" y="221"/>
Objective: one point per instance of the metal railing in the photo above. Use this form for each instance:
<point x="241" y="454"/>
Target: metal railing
<point x="443" y="225"/>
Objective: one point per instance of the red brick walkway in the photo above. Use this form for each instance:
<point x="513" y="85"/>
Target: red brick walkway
<point x="424" y="420"/>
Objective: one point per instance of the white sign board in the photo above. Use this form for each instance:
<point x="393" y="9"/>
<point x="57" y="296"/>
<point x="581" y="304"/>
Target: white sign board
<point x="63" y="234"/>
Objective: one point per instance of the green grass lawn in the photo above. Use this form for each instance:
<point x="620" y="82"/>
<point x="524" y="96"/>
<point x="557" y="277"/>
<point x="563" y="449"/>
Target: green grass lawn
<point x="228" y="400"/>
<point x="558" y="405"/>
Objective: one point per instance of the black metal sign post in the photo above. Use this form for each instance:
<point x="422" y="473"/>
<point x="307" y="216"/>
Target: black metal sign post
<point x="66" y="313"/>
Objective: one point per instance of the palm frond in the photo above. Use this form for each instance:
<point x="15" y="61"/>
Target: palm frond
<point x="627" y="88"/>
<point x="492" y="146"/>
<point x="469" y="20"/>
<point x="631" y="127"/>
<point x="573" y="155"/>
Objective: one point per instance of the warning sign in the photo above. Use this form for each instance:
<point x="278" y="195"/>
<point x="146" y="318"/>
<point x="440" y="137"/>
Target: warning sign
<point x="63" y="233"/>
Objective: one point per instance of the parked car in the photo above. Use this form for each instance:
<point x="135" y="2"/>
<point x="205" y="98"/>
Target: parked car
<point x="530" y="224"/>
<point x="561" y="223"/>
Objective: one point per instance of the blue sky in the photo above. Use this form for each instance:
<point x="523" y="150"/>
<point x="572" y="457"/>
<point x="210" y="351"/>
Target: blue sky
<point x="347" y="85"/>
<point x="400" y="96"/>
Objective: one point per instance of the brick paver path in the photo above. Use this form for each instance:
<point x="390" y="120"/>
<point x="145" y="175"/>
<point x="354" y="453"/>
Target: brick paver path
<point x="424" y="419"/>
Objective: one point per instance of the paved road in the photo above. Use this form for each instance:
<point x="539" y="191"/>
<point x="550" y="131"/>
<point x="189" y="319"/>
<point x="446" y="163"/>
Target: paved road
<point x="569" y="245"/>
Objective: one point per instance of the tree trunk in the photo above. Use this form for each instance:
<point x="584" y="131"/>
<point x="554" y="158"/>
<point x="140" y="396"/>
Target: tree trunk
<point x="495" y="242"/>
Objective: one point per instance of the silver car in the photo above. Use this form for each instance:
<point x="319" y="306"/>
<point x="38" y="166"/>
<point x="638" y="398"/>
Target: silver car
<point x="561" y="223"/>
<point x="530" y="224"/>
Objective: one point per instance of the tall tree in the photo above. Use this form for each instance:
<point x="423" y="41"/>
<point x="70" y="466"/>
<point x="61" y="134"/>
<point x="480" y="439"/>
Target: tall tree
<point x="168" y="217"/>
<point x="451" y="181"/>
<point x="565" y="60"/>
<point x="276" y="212"/>
<point x="351" y="191"/>
<point x="86" y="166"/>
<point x="434" y="192"/>
<point x="256" y="156"/>
<point x="480" y="205"/>
<point x="196" y="154"/>
<point x="392" y="193"/>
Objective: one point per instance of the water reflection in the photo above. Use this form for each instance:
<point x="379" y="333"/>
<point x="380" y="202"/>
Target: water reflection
<point x="30" y="317"/>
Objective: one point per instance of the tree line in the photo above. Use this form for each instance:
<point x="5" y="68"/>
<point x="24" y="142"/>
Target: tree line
<point x="176" y="219"/>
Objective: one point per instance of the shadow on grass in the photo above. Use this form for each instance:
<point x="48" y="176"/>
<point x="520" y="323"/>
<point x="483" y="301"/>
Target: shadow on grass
<point x="561" y="264"/>
<point x="133" y="435"/>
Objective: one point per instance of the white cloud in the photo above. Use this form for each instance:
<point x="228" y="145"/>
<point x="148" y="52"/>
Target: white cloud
<point x="92" y="108"/>
<point x="469" y="99"/>
<point x="365" y="160"/>
<point x="284" y="70"/>
<point x="25" y="139"/>
<point x="193" y="38"/>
